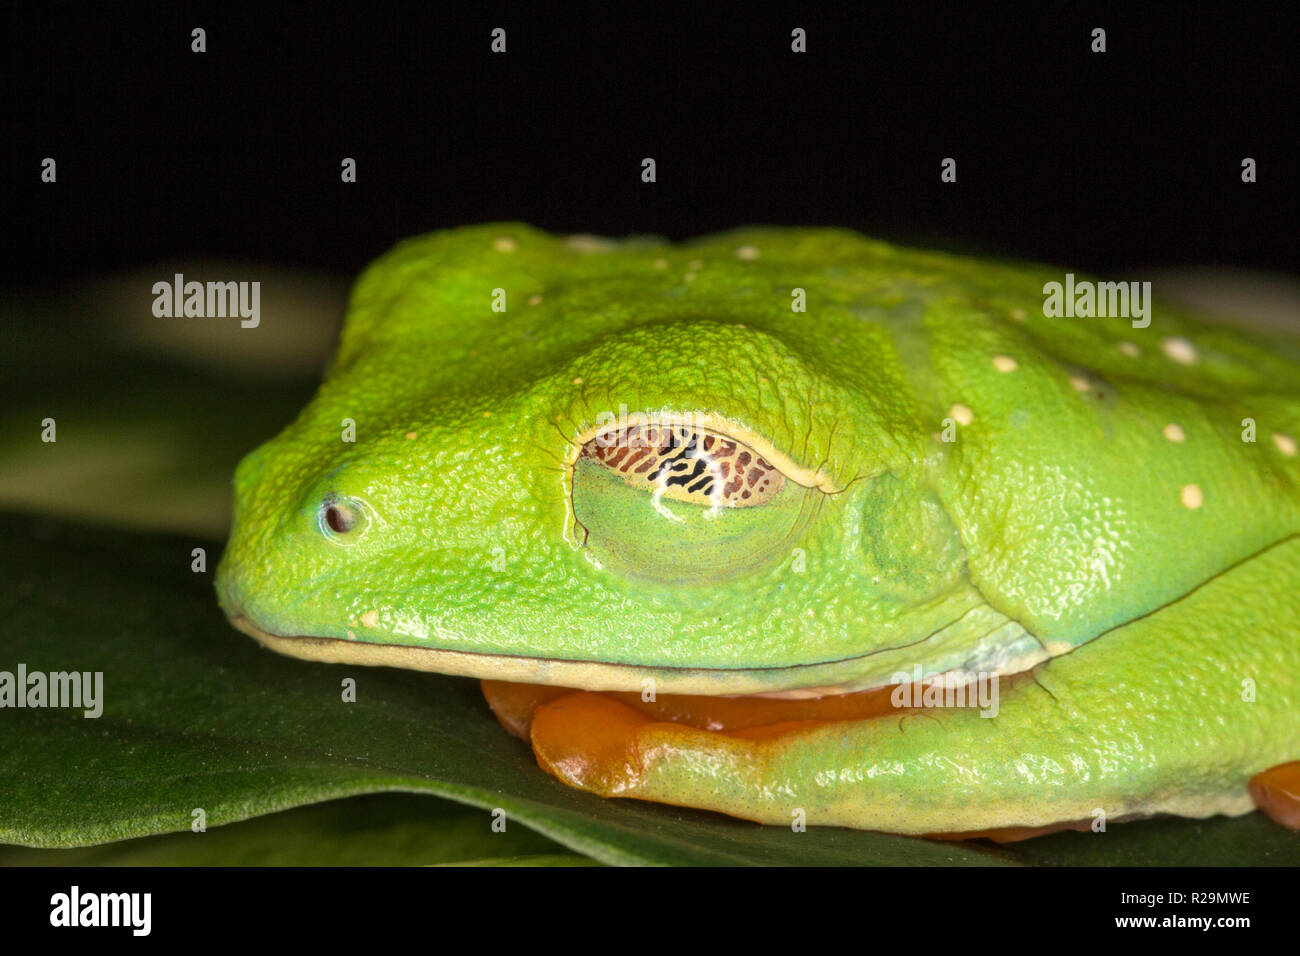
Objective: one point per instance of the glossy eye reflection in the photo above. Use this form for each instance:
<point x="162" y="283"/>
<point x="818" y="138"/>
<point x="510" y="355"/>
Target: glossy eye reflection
<point x="341" y="517"/>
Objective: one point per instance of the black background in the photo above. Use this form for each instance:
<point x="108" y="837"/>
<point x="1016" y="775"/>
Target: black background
<point x="1080" y="902"/>
<point x="1103" y="162"/>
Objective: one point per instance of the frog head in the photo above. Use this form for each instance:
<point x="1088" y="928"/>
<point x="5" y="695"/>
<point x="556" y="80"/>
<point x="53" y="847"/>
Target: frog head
<point x="597" y="464"/>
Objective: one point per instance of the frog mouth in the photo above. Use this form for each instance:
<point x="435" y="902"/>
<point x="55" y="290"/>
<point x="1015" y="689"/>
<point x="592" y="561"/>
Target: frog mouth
<point x="591" y="675"/>
<point x="542" y="672"/>
<point x="1009" y="650"/>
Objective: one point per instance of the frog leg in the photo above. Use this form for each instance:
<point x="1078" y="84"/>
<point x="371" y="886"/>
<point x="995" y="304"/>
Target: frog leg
<point x="1171" y="713"/>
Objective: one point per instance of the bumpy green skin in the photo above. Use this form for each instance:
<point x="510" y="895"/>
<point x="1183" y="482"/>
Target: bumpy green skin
<point x="1152" y="718"/>
<point x="965" y="514"/>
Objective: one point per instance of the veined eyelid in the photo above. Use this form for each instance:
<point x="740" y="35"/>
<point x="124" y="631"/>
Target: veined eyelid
<point x="712" y="423"/>
<point x="686" y="463"/>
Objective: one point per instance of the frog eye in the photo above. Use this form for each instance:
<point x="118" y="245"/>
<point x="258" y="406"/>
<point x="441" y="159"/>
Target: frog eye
<point x="687" y="464"/>
<point x="679" y="504"/>
<point x="341" y="517"/>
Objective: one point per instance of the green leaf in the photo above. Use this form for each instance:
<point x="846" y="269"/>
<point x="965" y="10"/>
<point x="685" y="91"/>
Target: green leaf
<point x="374" y="830"/>
<point x="198" y="716"/>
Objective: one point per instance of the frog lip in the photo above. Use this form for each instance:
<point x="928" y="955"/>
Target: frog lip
<point x="518" y="669"/>
<point x="774" y="682"/>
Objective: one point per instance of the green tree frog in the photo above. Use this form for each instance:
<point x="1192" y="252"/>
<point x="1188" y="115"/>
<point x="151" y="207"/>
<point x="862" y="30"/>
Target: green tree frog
<point x="796" y="525"/>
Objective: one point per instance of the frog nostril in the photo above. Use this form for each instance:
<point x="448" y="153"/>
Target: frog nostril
<point x="338" y="519"/>
<point x="338" y="516"/>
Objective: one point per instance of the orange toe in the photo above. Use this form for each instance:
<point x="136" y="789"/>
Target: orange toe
<point x="1276" y="791"/>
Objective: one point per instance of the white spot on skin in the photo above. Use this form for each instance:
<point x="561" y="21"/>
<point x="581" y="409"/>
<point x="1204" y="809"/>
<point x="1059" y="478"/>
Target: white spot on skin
<point x="1285" y="444"/>
<point x="586" y="243"/>
<point x="961" y="414"/>
<point x="1174" y="433"/>
<point x="351" y="636"/>
<point x="1079" y="383"/>
<point x="1017" y="314"/>
<point x="578" y="380"/>
<point x="1129" y="349"/>
<point x="1005" y="363"/>
<point x="370" y="618"/>
<point x="504" y="244"/>
<point x="535" y="300"/>
<point x="1192" y="497"/>
<point x="747" y="252"/>
<point x="411" y="436"/>
<point x="1180" y="350"/>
